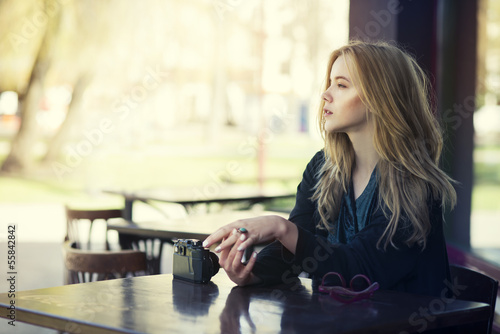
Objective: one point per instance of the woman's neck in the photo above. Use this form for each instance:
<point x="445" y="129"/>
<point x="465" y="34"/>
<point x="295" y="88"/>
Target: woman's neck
<point x="366" y="158"/>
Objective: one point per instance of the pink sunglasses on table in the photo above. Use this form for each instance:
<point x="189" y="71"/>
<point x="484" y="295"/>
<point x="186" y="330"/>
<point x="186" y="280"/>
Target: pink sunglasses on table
<point x="359" y="288"/>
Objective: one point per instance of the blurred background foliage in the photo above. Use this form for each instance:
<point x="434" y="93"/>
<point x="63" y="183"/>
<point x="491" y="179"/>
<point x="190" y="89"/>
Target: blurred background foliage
<point x="159" y="93"/>
<point x="137" y="94"/>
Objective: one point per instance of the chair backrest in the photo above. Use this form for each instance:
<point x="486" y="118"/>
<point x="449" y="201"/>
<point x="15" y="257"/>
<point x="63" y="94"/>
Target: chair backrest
<point x="476" y="287"/>
<point x="88" y="266"/>
<point x="153" y="247"/>
<point x="76" y="218"/>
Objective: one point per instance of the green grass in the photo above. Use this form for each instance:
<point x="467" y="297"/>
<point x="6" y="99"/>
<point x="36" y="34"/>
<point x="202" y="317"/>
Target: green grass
<point x="486" y="191"/>
<point x="147" y="172"/>
<point x="486" y="197"/>
<point x="167" y="165"/>
<point x="200" y="165"/>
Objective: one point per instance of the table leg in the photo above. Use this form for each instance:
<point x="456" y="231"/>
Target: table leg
<point x="127" y="211"/>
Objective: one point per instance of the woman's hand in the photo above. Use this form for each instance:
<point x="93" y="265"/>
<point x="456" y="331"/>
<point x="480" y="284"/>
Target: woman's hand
<point x="230" y="260"/>
<point x="258" y="230"/>
<point x="255" y="230"/>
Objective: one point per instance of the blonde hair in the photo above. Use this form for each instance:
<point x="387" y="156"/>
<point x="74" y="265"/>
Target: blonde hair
<point x="407" y="138"/>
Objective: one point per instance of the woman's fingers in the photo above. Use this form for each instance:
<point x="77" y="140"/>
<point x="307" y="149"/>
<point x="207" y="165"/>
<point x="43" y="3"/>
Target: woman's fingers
<point x="246" y="242"/>
<point x="228" y="242"/>
<point x="223" y="256"/>
<point x="237" y="255"/>
<point x="243" y="243"/>
<point x="222" y="232"/>
<point x="230" y="261"/>
<point x="247" y="270"/>
<point x="227" y="246"/>
<point x="217" y="235"/>
<point x="232" y="254"/>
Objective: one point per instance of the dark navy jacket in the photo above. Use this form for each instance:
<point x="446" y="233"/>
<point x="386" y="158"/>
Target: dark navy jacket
<point x="408" y="269"/>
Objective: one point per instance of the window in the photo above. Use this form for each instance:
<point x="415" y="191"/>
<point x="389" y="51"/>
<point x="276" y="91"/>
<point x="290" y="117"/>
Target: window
<point x="485" y="219"/>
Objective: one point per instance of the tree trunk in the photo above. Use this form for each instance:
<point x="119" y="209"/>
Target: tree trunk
<point x="57" y="142"/>
<point x="22" y="156"/>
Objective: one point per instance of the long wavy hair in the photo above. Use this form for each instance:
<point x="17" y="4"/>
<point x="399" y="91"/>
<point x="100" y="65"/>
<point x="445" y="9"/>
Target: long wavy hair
<point x="407" y="138"/>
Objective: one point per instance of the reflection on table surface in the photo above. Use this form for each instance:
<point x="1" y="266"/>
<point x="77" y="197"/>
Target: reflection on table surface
<point x="160" y="304"/>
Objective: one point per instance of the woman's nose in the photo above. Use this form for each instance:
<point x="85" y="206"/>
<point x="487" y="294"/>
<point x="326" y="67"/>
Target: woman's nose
<point x="326" y="97"/>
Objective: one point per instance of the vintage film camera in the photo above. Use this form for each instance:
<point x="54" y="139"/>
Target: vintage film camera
<point x="192" y="262"/>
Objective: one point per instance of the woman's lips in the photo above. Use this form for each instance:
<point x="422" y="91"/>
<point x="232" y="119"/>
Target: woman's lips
<point x="327" y="112"/>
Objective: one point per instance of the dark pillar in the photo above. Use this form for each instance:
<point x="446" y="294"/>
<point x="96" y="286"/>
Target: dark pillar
<point x="457" y="64"/>
<point x="417" y="33"/>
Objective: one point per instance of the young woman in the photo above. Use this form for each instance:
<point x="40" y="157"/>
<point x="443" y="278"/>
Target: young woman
<point x="371" y="201"/>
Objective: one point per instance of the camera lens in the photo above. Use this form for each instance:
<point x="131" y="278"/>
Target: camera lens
<point x="213" y="267"/>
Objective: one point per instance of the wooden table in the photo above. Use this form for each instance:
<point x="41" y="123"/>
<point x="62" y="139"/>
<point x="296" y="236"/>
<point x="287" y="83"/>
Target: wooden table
<point x="189" y="197"/>
<point x="161" y="304"/>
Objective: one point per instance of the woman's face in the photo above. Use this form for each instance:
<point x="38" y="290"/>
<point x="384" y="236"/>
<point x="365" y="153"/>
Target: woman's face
<point x="343" y="110"/>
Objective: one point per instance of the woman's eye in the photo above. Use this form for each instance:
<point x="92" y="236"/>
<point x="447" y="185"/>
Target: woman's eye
<point x="341" y="85"/>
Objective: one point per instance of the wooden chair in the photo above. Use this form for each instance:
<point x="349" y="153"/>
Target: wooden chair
<point x="153" y="247"/>
<point x="89" y="266"/>
<point x="477" y="288"/>
<point x="75" y="219"/>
